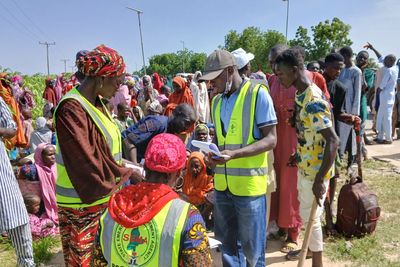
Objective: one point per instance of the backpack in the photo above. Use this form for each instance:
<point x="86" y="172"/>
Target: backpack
<point x="358" y="210"/>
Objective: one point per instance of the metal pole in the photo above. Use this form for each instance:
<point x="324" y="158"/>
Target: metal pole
<point x="287" y="18"/>
<point x="65" y="64"/>
<point x="48" y="65"/>
<point x="183" y="58"/>
<point x="141" y="42"/>
<point x="141" y="37"/>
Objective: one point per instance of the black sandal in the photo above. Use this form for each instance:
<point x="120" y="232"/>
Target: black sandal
<point x="295" y="255"/>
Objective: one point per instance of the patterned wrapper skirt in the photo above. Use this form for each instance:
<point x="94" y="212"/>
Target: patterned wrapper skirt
<point x="78" y="228"/>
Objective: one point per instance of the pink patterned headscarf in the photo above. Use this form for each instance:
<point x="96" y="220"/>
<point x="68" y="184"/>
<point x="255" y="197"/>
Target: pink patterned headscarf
<point x="47" y="177"/>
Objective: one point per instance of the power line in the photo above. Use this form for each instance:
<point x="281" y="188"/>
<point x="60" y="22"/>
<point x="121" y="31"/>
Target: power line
<point x="15" y="26"/>
<point x="28" y="18"/>
<point x="47" y="52"/>
<point x="16" y="19"/>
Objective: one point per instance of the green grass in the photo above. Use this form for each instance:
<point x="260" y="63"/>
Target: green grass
<point x="383" y="247"/>
<point x="43" y="250"/>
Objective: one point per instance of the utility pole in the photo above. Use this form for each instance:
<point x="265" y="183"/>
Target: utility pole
<point x="47" y="52"/>
<point x="183" y="56"/>
<point x="141" y="37"/>
<point x="65" y="64"/>
<point x="287" y="18"/>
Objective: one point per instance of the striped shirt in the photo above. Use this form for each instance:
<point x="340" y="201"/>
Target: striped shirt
<point x="12" y="209"/>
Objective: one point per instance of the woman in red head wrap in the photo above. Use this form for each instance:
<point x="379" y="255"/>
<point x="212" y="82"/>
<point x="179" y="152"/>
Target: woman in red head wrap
<point x="139" y="207"/>
<point x="157" y="83"/>
<point x="89" y="166"/>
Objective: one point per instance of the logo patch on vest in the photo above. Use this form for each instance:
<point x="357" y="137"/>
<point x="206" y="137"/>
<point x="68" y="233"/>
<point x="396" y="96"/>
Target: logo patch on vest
<point x="136" y="246"/>
<point x="233" y="127"/>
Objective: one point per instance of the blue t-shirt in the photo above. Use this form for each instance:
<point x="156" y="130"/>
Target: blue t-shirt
<point x="264" y="115"/>
<point x="143" y="131"/>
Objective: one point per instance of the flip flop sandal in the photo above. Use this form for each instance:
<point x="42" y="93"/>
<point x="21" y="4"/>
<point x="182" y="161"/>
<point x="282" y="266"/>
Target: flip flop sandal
<point x="294" y="255"/>
<point x="288" y="246"/>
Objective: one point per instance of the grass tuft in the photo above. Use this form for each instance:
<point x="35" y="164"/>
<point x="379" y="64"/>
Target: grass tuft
<point x="381" y="248"/>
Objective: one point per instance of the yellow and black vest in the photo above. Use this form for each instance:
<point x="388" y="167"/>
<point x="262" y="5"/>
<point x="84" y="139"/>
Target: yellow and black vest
<point x="156" y="243"/>
<point x="243" y="176"/>
<point x="65" y="193"/>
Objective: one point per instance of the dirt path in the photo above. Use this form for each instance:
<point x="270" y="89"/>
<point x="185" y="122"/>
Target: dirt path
<point x="273" y="258"/>
<point x="387" y="153"/>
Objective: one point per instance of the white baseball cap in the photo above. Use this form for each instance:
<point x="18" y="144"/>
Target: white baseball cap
<point x="242" y="57"/>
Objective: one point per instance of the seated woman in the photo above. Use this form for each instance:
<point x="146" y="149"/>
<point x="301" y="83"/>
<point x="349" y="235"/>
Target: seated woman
<point x="41" y="225"/>
<point x="200" y="134"/>
<point x="44" y="171"/>
<point x="147" y="224"/>
<point x="181" y="94"/>
<point x="197" y="184"/>
<point x="42" y="134"/>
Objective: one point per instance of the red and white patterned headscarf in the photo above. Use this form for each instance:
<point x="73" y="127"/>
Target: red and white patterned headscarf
<point x="101" y="62"/>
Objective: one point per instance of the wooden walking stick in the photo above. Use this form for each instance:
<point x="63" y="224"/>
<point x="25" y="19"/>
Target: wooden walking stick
<point x="304" y="247"/>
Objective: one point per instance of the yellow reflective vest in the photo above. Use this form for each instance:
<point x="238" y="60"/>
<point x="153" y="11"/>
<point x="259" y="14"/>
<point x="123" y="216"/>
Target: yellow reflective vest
<point x="156" y="243"/>
<point x="65" y="193"/>
<point x="244" y="176"/>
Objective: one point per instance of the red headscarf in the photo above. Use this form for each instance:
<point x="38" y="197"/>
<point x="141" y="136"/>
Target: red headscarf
<point x="157" y="83"/>
<point x="195" y="188"/>
<point x="101" y="62"/>
<point x="49" y="93"/>
<point x="137" y="204"/>
<point x="176" y="98"/>
<point x="165" y="153"/>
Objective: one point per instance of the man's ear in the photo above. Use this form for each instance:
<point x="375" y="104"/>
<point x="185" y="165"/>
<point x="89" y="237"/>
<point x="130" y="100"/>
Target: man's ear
<point x="230" y="70"/>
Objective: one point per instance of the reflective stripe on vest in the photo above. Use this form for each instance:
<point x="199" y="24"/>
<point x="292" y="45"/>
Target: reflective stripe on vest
<point x="65" y="192"/>
<point x="244" y="176"/>
<point x="170" y="219"/>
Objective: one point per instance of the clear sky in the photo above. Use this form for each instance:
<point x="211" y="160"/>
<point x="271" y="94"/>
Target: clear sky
<point x="83" y="24"/>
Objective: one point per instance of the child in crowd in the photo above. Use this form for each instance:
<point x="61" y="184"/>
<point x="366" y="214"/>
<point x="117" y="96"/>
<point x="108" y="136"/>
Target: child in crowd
<point x="41" y="226"/>
<point x="137" y="113"/>
<point x="211" y="132"/>
<point x="123" y="119"/>
<point x="198" y="185"/>
<point x="28" y="127"/>
<point x="201" y="133"/>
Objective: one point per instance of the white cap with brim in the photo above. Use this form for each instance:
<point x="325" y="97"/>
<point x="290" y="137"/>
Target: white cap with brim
<point x="216" y="62"/>
<point x="242" y="57"/>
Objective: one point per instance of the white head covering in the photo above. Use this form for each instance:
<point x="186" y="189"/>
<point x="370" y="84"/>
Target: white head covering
<point x="242" y="57"/>
<point x="40" y="122"/>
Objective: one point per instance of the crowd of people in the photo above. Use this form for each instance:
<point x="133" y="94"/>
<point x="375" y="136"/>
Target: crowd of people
<point x="112" y="165"/>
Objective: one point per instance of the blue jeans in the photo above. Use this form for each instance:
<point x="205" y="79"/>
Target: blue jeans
<point x="240" y="224"/>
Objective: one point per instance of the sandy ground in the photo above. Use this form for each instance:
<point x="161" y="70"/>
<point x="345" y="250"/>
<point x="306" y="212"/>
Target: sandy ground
<point x="388" y="153"/>
<point x="273" y="258"/>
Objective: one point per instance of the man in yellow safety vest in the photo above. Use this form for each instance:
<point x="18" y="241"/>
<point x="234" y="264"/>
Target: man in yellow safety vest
<point x="244" y="119"/>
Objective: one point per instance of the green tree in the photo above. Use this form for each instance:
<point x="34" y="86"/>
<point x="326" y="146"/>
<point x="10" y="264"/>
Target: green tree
<point x="253" y="40"/>
<point x="326" y="36"/>
<point x="172" y="63"/>
<point x="302" y="39"/>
